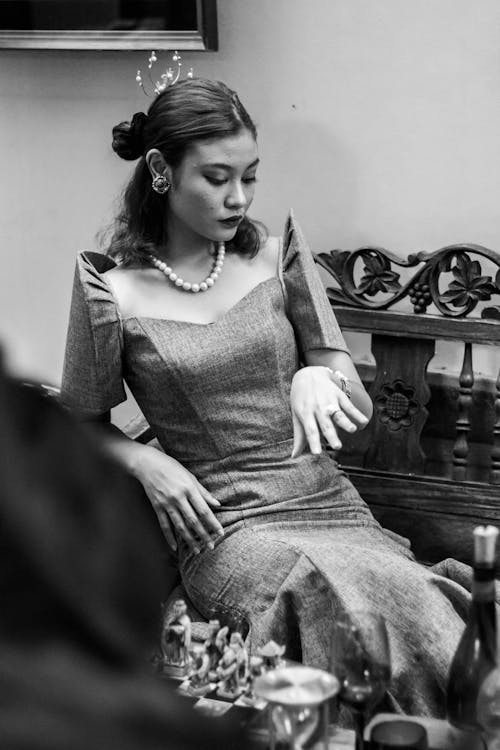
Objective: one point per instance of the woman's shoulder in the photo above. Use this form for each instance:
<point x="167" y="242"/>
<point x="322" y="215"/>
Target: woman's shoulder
<point x="119" y="274"/>
<point x="93" y="307"/>
<point x="270" y="252"/>
<point x="102" y="280"/>
<point x="90" y="276"/>
<point x="126" y="283"/>
<point x="93" y="263"/>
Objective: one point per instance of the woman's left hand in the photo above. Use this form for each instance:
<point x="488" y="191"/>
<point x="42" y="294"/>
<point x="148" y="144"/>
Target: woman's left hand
<point x="320" y="407"/>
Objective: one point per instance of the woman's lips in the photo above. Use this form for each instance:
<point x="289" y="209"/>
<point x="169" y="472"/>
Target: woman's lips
<point x="233" y="221"/>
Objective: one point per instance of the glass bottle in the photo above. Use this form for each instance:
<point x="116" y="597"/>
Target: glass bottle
<point x="488" y="709"/>
<point x="475" y="656"/>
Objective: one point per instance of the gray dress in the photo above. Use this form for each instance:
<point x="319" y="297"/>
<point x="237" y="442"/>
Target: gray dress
<point x="300" y="544"/>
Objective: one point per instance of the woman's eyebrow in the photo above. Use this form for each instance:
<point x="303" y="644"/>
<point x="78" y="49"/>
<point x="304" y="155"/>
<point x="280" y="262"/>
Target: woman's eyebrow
<point x="221" y="165"/>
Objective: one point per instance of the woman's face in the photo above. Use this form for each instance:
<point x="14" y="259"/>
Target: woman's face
<point x="213" y="187"/>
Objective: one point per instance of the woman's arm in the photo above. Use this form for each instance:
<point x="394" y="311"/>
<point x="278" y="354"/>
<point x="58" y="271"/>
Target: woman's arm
<point x="327" y="396"/>
<point x="179" y="500"/>
<point x="92" y="383"/>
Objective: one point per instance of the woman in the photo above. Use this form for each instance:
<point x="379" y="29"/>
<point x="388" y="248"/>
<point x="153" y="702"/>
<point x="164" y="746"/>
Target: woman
<point x="228" y="342"/>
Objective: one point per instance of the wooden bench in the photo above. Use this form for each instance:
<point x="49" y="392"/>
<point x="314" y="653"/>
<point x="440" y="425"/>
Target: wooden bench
<point x="429" y="462"/>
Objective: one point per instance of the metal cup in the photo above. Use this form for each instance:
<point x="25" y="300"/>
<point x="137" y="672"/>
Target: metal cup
<point x="398" y="735"/>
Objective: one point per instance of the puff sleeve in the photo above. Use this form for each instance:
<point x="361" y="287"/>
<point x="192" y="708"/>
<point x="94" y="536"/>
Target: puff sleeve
<point x="92" y="374"/>
<point x="308" y="306"/>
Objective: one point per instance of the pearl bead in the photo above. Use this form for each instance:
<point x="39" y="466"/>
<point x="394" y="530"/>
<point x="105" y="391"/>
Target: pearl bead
<point x="187" y="286"/>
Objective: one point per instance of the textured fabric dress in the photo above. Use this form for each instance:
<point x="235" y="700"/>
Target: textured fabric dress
<point x="300" y="544"/>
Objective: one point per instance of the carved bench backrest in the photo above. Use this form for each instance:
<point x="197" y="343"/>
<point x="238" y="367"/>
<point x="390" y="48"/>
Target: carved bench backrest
<point x="393" y="473"/>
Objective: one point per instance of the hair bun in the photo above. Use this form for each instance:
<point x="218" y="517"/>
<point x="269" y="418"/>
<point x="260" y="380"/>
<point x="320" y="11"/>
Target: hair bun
<point x="128" y="137"/>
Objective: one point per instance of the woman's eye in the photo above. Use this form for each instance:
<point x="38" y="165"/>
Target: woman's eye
<point x="215" y="180"/>
<point x="223" y="180"/>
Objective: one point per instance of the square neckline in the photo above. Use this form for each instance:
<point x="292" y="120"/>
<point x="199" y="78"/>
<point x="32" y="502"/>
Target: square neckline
<point x="222" y="316"/>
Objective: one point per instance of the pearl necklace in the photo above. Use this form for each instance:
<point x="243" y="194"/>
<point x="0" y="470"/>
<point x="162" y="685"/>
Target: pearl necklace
<point x="187" y="286"/>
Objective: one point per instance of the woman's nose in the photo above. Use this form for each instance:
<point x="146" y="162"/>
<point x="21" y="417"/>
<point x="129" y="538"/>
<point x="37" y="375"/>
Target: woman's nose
<point x="236" y="197"/>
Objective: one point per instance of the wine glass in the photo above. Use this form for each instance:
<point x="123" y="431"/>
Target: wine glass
<point x="360" y="659"/>
<point x="295" y="724"/>
<point x="297" y="697"/>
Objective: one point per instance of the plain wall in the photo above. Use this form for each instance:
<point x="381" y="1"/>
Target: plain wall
<point x="379" y="123"/>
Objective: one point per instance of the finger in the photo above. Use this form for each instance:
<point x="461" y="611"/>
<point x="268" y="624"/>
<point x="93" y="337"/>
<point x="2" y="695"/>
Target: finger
<point x="299" y="437"/>
<point x="207" y="496"/>
<point x="194" y="522"/>
<point x="337" y="416"/>
<point x="327" y="427"/>
<point x="351" y="411"/>
<point x="205" y="516"/>
<point x="212" y="501"/>
<point x="183" y="530"/>
<point x="168" y="532"/>
<point x="310" y="427"/>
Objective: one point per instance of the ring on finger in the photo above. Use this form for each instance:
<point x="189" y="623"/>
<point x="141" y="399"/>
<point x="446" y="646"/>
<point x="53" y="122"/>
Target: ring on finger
<point x="331" y="410"/>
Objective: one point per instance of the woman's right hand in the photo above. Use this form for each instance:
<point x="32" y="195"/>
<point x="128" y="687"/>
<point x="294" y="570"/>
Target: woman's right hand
<point x="180" y="501"/>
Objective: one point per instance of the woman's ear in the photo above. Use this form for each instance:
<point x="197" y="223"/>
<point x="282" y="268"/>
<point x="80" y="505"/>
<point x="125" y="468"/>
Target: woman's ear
<point x="157" y="164"/>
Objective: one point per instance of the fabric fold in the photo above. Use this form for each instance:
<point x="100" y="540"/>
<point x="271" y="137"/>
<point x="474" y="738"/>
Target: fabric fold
<point x="93" y="368"/>
<point x="308" y="307"/>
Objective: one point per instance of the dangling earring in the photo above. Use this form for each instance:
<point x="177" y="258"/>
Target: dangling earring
<point x="160" y="184"/>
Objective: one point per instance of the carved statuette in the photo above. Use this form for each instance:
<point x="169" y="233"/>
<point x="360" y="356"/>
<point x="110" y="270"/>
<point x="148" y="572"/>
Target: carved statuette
<point x="176" y="641"/>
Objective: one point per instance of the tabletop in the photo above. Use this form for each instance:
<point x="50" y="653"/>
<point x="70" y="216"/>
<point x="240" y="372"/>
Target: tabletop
<point x="441" y="735"/>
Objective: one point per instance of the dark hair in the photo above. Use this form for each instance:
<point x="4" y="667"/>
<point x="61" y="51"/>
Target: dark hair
<point x="191" y="110"/>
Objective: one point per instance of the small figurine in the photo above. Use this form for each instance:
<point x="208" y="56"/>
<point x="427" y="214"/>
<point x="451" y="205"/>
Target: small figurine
<point x="271" y="654"/>
<point x="215" y="645"/>
<point x="232" y="669"/>
<point x="199" y="681"/>
<point x="249" y="698"/>
<point x="221" y="638"/>
<point x="176" y="641"/>
<point x="237" y="643"/>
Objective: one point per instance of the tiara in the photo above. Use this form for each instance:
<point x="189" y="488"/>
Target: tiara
<point x="168" y="78"/>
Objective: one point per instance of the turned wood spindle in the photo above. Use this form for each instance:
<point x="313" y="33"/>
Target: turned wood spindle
<point x="461" y="447"/>
<point x="495" y="451"/>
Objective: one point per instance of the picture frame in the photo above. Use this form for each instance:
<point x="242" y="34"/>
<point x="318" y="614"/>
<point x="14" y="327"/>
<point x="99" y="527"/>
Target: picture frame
<point x="109" y="24"/>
